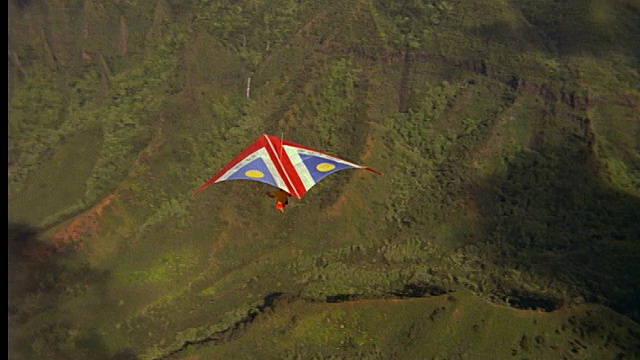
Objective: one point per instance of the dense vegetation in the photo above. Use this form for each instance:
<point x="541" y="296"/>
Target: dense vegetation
<point x="507" y="133"/>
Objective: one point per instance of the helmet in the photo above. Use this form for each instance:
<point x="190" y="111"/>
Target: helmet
<point x="280" y="206"/>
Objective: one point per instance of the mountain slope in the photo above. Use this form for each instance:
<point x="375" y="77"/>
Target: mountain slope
<point x="506" y="133"/>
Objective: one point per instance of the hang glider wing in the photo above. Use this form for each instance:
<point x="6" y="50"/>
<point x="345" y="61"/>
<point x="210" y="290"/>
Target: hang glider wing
<point x="289" y="166"/>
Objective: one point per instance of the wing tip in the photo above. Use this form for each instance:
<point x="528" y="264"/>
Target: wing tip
<point x="203" y="186"/>
<point x="373" y="170"/>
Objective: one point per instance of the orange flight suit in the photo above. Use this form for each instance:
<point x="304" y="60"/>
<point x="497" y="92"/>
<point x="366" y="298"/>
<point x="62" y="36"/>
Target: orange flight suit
<point x="282" y="199"/>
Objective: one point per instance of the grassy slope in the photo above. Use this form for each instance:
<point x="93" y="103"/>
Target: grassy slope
<point x="444" y="327"/>
<point x="512" y="163"/>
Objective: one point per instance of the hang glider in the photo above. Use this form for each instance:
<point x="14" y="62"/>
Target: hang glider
<point x="289" y="166"/>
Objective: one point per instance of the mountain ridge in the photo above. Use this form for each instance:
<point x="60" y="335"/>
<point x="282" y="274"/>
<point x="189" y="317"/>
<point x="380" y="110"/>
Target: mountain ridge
<point x="506" y="140"/>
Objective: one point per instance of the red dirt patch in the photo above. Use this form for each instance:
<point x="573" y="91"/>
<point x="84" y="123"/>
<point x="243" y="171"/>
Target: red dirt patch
<point x="70" y="238"/>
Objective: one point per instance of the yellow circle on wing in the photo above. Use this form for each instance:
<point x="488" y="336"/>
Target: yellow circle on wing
<point x="324" y="167"/>
<point x="255" y="174"/>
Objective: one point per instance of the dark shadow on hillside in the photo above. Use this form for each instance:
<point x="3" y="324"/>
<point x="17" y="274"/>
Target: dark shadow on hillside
<point x="569" y="27"/>
<point x="38" y="278"/>
<point x="550" y="216"/>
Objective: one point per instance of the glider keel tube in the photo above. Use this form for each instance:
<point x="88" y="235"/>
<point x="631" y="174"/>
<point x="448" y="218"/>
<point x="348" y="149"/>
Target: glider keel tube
<point x="285" y="168"/>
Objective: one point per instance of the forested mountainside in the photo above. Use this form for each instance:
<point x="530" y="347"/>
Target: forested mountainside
<point x="506" y="222"/>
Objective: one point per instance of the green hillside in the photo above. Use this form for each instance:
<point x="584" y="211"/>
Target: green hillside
<point x="506" y="222"/>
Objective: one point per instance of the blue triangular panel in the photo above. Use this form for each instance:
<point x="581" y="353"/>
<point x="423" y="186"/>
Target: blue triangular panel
<point x="255" y="170"/>
<point x="319" y="167"/>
